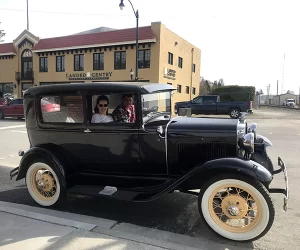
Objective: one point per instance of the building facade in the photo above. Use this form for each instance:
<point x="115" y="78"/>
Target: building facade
<point x="163" y="57"/>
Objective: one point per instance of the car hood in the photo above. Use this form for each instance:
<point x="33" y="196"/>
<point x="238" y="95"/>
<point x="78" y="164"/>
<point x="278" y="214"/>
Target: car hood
<point x="180" y="103"/>
<point x="198" y="125"/>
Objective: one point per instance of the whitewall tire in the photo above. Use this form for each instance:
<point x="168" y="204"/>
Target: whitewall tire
<point x="44" y="184"/>
<point x="236" y="207"/>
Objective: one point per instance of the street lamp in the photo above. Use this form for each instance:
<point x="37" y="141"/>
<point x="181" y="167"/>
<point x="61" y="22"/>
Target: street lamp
<point x="136" y="13"/>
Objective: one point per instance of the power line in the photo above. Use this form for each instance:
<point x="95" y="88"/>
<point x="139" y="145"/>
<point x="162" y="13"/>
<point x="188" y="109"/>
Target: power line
<point x="69" y="13"/>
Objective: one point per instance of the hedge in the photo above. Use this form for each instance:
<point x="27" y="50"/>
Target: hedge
<point x="235" y="93"/>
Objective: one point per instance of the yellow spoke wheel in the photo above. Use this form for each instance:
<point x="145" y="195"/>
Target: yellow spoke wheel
<point x="236" y="207"/>
<point x="43" y="183"/>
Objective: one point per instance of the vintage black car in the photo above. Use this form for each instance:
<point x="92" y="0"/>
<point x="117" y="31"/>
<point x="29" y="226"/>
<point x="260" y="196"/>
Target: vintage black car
<point x="99" y="142"/>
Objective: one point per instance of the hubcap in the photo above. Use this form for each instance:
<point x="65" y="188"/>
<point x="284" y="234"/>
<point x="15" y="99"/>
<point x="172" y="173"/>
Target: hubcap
<point x="234" y="209"/>
<point x="234" y="113"/>
<point x="43" y="184"/>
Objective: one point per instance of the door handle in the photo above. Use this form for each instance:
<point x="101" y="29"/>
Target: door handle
<point x="87" y="131"/>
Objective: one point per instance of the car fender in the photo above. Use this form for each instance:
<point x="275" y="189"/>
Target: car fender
<point x="265" y="140"/>
<point x="196" y="177"/>
<point x="52" y="156"/>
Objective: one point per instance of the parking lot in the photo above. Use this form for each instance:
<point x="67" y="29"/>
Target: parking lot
<point x="178" y="212"/>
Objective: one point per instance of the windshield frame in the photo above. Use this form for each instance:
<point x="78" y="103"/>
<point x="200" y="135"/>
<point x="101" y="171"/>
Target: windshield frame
<point x="146" y="118"/>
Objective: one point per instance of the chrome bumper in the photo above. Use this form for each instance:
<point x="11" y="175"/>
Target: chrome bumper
<point x="285" y="190"/>
<point x="14" y="172"/>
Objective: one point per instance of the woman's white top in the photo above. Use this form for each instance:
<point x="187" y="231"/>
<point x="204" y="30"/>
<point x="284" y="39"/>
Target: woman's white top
<point x="97" y="118"/>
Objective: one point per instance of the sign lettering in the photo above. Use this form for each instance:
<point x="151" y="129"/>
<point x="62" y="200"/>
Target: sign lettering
<point x="89" y="76"/>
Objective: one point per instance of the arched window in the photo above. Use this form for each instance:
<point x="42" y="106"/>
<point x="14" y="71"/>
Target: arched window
<point x="27" y="64"/>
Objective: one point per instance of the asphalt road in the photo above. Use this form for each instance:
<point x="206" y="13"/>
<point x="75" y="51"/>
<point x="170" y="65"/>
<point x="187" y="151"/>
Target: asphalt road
<point x="178" y="212"/>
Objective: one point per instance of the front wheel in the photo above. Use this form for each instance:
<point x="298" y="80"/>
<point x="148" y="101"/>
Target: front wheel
<point x="236" y="207"/>
<point x="234" y="113"/>
<point x="1" y="115"/>
<point x="45" y="183"/>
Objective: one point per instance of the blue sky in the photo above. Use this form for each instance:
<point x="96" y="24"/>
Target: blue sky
<point x="242" y="42"/>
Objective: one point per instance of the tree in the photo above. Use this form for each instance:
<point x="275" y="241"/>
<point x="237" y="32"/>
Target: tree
<point x="221" y="82"/>
<point x="2" y="34"/>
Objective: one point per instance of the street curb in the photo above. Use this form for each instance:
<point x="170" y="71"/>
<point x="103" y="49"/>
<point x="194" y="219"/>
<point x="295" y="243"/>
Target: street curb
<point x="47" y="218"/>
<point x="22" y="210"/>
<point x="127" y="231"/>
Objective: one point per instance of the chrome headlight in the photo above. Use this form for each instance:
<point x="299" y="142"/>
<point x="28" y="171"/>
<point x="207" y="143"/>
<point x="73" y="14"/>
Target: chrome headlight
<point x="252" y="128"/>
<point x="247" y="142"/>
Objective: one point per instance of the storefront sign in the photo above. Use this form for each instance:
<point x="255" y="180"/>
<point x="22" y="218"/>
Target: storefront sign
<point x="89" y="76"/>
<point x="170" y="73"/>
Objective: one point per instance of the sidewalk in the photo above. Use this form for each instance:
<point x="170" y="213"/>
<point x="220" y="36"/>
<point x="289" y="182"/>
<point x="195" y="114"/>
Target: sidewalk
<point x="24" y="227"/>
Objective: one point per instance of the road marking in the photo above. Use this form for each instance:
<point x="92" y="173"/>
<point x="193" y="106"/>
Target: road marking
<point x="19" y="131"/>
<point x="17" y="126"/>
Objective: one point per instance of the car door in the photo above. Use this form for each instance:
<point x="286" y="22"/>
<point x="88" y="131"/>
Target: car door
<point x="14" y="108"/>
<point x="204" y="105"/>
<point x="113" y="148"/>
<point x="65" y="126"/>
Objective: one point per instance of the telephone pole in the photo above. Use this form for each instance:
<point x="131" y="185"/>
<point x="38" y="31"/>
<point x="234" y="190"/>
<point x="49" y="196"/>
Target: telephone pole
<point x="283" y="74"/>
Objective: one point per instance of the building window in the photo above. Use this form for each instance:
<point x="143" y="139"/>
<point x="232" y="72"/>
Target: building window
<point x="144" y="58"/>
<point x="194" y="91"/>
<point x="43" y="64"/>
<point x="60" y="63"/>
<point x="170" y="58"/>
<point x="120" y="60"/>
<point x="98" y="61"/>
<point x="178" y="88"/>
<point x="180" y="62"/>
<point x="187" y="89"/>
<point x="79" y="62"/>
<point x="194" y="67"/>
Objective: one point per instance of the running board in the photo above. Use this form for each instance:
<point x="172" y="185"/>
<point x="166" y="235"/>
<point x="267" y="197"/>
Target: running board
<point x="109" y="192"/>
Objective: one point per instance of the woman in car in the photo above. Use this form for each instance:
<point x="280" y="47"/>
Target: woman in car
<point x="101" y="110"/>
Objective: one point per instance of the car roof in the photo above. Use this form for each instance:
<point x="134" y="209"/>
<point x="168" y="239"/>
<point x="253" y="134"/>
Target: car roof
<point x="141" y="87"/>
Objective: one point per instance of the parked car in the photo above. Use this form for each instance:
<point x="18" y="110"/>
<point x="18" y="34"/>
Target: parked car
<point x="15" y="108"/>
<point x="12" y="109"/>
<point x="155" y="155"/>
<point x="211" y="105"/>
<point x="289" y="102"/>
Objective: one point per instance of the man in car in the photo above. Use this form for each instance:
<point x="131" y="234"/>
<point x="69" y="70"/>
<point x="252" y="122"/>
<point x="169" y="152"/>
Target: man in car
<point x="125" y="112"/>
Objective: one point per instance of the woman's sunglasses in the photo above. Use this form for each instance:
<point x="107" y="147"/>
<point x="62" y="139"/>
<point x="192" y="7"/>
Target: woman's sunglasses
<point x="101" y="105"/>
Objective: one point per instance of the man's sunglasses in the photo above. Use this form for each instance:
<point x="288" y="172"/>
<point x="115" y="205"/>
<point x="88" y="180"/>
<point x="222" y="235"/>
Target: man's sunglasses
<point x="101" y="105"/>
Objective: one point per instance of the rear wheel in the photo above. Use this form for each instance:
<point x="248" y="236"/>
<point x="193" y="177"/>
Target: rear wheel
<point x="234" y="113"/>
<point x="45" y="183"/>
<point x="1" y="114"/>
<point x="236" y="207"/>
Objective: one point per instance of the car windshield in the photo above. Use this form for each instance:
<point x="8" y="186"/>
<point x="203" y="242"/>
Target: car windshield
<point x="156" y="103"/>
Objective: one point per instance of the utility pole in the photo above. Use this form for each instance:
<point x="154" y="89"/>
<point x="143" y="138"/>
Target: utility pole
<point x="277" y="87"/>
<point x="268" y="93"/>
<point x="283" y="74"/>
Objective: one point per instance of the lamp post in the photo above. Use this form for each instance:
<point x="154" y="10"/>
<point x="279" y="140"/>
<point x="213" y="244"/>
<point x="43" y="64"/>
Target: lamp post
<point x="136" y="13"/>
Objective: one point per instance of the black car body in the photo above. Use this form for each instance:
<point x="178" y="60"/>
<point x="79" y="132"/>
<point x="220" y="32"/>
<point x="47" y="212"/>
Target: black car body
<point x="146" y="159"/>
<point x="211" y="105"/>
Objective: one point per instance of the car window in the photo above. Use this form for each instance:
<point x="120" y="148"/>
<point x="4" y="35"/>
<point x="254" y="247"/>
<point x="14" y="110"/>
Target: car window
<point x="209" y="99"/>
<point x="112" y="108"/>
<point x="62" y="109"/>
<point x="16" y="102"/>
<point x="198" y="100"/>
